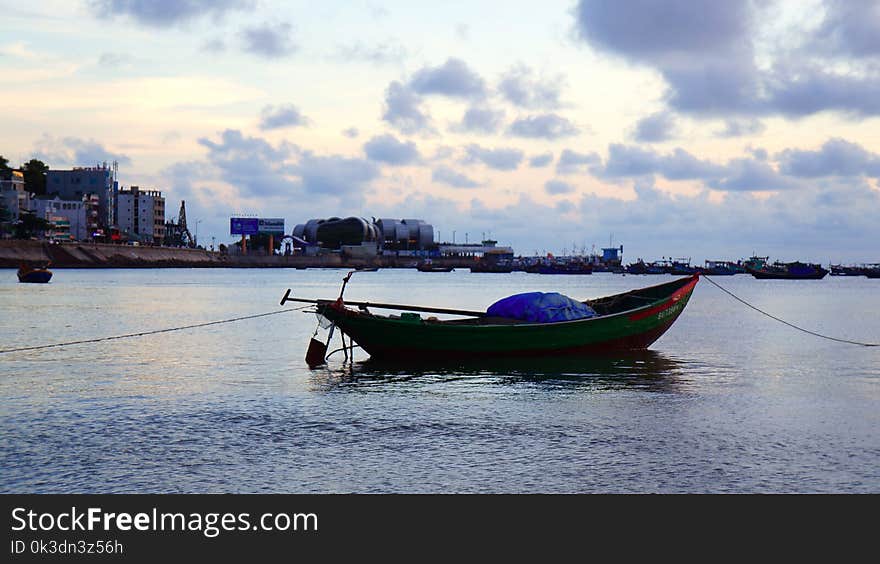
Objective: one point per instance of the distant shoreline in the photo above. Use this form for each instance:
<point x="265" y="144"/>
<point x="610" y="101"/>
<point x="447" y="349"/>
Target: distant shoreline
<point x="100" y="255"/>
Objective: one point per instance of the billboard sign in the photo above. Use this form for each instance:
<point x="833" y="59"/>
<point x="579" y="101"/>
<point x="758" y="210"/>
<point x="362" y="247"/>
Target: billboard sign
<point x="244" y="226"/>
<point x="271" y="225"/>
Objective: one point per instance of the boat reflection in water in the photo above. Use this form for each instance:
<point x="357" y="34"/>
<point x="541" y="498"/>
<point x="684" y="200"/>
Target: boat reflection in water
<point x="646" y="369"/>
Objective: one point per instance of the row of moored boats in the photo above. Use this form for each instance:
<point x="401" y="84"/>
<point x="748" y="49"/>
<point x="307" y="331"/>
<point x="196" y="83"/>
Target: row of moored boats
<point x="759" y="267"/>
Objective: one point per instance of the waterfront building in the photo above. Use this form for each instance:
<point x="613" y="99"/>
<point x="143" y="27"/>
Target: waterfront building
<point x="70" y="218"/>
<point x="140" y="215"/>
<point x="15" y="197"/>
<point x="484" y="248"/>
<point x="357" y="236"/>
<point x="99" y="180"/>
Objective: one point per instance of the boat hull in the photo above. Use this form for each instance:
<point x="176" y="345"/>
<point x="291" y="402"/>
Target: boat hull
<point x="414" y="338"/>
<point x="35" y="277"/>
<point x="553" y="270"/>
<point x="764" y="275"/>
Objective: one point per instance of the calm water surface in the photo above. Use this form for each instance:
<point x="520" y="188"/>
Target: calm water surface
<point x="726" y="401"/>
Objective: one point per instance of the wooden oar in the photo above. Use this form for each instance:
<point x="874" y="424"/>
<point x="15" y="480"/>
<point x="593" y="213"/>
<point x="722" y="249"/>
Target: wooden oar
<point x="401" y="307"/>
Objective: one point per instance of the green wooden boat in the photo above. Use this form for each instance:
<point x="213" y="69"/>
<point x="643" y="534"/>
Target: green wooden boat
<point x="628" y="321"/>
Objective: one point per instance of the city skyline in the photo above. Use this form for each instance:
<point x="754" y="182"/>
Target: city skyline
<point x="703" y="129"/>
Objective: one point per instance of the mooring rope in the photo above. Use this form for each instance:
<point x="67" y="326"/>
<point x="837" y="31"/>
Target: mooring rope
<point x="154" y="332"/>
<point x="771" y="316"/>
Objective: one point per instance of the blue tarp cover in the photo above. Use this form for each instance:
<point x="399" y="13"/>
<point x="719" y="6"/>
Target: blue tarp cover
<point x="540" y="307"/>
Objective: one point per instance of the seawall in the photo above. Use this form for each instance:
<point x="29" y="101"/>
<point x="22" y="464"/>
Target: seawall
<point x="97" y="255"/>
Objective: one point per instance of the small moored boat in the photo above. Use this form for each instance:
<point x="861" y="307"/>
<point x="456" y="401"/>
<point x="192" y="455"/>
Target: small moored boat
<point x="34" y="275"/>
<point x="722" y="268"/>
<point x="428" y="266"/>
<point x="788" y="271"/>
<point x="628" y="321"/>
<point x="843" y="270"/>
<point x="642" y="267"/>
<point x="571" y="267"/>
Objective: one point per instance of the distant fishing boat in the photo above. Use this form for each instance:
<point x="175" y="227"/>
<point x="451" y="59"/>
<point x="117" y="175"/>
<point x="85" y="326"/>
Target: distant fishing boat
<point x="628" y="321"/>
<point x="722" y="268"/>
<point x="841" y="270"/>
<point x="559" y="266"/>
<point x="871" y="270"/>
<point x="642" y="267"/>
<point x="788" y="271"/>
<point x="494" y="261"/>
<point x="499" y="268"/>
<point x="428" y="266"/>
<point x="566" y="268"/>
<point x="681" y="267"/>
<point x="34" y="275"/>
<point x="755" y="262"/>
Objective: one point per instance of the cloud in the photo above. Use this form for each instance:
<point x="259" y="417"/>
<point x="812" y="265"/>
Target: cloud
<point x="453" y="79"/>
<point x="752" y="175"/>
<point x="271" y="41"/>
<point x="180" y="178"/>
<point x="387" y="149"/>
<point x="387" y="53"/>
<point x="251" y="164"/>
<point x="539" y="161"/>
<point x="288" y="115"/>
<point x="660" y="32"/>
<point x="850" y="28"/>
<point x="522" y="89"/>
<point x="334" y="175"/>
<point x="656" y="128"/>
<point x="215" y="45"/>
<point x="706" y="51"/>
<point x="571" y="162"/>
<point x="555" y="187"/>
<point x="741" y="127"/>
<point x="627" y="161"/>
<point x="160" y="13"/>
<point x="479" y="119"/>
<point x="544" y="126"/>
<point x="498" y="159"/>
<point x="403" y="110"/>
<point x="836" y="157"/>
<point x="114" y="60"/>
<point x="701" y="47"/>
<point x="75" y="151"/>
<point x="455" y="179"/>
<point x="632" y="161"/>
<point x="805" y="90"/>
<point x="351" y="132"/>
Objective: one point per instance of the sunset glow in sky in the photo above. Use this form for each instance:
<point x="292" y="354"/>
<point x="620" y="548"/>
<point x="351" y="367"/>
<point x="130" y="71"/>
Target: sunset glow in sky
<point x="689" y="128"/>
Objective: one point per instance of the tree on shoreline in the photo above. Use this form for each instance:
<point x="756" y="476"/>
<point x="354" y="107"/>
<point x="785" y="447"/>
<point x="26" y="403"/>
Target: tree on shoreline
<point x="30" y="225"/>
<point x="5" y="216"/>
<point x="35" y="176"/>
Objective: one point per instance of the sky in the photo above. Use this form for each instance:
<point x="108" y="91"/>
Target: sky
<point x="702" y="129"/>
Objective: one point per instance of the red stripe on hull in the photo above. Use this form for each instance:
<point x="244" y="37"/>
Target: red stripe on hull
<point x="673" y="299"/>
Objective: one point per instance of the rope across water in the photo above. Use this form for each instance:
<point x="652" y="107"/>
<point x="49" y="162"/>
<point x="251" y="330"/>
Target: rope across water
<point x="792" y="325"/>
<point x="154" y="332"/>
<point x="255" y="316"/>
